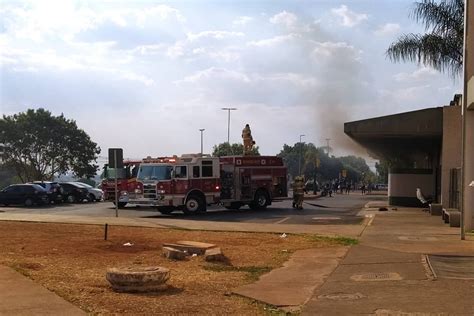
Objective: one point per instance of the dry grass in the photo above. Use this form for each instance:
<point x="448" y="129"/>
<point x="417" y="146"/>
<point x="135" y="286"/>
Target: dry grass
<point x="71" y="260"/>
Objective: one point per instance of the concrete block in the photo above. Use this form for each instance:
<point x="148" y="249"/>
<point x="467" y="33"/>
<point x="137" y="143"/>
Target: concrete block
<point x="190" y="247"/>
<point x="173" y="253"/>
<point x="445" y="216"/>
<point x="196" y="244"/>
<point x="436" y="209"/>
<point x="214" y="254"/>
<point x="454" y="218"/>
<point x="138" y="279"/>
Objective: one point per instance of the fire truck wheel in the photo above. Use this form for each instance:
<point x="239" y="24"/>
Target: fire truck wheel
<point x="194" y="204"/>
<point x="260" y="201"/>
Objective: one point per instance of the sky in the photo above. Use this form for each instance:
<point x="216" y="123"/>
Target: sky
<point x="145" y="76"/>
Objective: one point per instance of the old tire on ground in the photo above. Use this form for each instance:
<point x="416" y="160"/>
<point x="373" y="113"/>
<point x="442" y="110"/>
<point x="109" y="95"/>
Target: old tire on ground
<point x="138" y="279"/>
<point x="28" y="202"/>
<point x="234" y="206"/>
<point x="260" y="200"/>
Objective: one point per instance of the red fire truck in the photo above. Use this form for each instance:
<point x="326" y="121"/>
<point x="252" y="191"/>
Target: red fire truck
<point x="191" y="182"/>
<point x="255" y="181"/>
<point x="126" y="181"/>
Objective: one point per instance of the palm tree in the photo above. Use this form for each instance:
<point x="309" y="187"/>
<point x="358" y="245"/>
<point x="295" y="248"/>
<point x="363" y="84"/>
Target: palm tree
<point x="442" y="46"/>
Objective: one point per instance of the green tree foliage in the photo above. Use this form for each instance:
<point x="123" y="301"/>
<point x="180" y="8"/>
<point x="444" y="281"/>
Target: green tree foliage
<point x="382" y="168"/>
<point x="330" y="167"/>
<point x="7" y="176"/>
<point x="442" y="46"/>
<point x="236" y="149"/>
<point x="40" y="145"/>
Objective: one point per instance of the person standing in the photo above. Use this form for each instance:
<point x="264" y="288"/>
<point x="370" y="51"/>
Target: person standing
<point x="248" y="140"/>
<point x="298" y="192"/>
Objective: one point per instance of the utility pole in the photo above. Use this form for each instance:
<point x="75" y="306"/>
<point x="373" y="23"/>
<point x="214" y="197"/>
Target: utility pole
<point x="228" y="122"/>
<point x="201" y="130"/>
<point x="299" y="158"/>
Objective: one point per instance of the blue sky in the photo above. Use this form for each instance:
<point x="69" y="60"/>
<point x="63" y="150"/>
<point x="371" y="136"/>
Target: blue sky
<point x="147" y="75"/>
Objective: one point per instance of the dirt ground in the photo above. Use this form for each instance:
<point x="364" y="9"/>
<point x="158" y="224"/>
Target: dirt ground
<point x="72" y="260"/>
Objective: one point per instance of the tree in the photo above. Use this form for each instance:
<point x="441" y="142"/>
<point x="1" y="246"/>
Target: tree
<point x="39" y="145"/>
<point x="440" y="48"/>
<point x="382" y="170"/>
<point x="226" y="149"/>
<point x="330" y="167"/>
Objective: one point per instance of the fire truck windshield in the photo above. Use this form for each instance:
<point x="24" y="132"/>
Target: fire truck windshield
<point x="154" y="173"/>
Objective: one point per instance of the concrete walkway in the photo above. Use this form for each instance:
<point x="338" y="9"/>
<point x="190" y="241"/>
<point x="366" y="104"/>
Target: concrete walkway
<point x="21" y="296"/>
<point x="387" y="273"/>
<point x="290" y="286"/>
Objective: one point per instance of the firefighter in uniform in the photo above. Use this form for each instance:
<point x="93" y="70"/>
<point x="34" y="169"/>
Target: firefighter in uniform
<point x="248" y="140"/>
<point x="298" y="192"/>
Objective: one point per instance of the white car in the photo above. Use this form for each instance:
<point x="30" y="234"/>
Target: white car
<point x="95" y="195"/>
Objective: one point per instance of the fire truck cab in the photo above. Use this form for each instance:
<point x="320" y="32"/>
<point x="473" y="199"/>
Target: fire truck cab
<point x="189" y="183"/>
<point x="255" y="181"/>
<point x="125" y="181"/>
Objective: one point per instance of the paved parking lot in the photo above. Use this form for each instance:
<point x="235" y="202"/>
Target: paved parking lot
<point x="336" y="210"/>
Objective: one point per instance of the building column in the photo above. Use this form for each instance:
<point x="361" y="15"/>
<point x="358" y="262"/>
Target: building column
<point x="468" y="119"/>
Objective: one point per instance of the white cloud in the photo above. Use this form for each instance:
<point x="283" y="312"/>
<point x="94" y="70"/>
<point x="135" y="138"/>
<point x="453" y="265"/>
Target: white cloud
<point x="423" y="73"/>
<point x="65" y="19"/>
<point x="254" y="79"/>
<point x="214" y="73"/>
<point x="285" y="18"/>
<point x="387" y="29"/>
<point x="219" y="35"/>
<point x="349" y="18"/>
<point x="205" y="43"/>
<point x="226" y="54"/>
<point x="243" y="20"/>
<point x="334" y="49"/>
<point x="151" y="49"/>
<point x="277" y="40"/>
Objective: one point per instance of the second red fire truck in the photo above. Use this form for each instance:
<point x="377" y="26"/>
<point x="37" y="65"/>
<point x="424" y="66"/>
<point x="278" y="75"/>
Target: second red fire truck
<point x="192" y="182"/>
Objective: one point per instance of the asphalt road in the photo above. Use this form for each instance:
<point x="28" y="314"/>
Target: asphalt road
<point x="339" y="209"/>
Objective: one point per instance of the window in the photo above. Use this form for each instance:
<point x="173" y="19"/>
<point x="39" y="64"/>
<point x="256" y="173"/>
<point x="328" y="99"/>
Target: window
<point x="207" y="168"/>
<point x="152" y="172"/>
<point x="180" y="172"/>
<point x="196" y="172"/>
<point x="13" y="189"/>
<point x="28" y="189"/>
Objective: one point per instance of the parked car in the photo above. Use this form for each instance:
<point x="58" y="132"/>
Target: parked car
<point x="53" y="189"/>
<point x="95" y="195"/>
<point x="25" y="194"/>
<point x="73" y="193"/>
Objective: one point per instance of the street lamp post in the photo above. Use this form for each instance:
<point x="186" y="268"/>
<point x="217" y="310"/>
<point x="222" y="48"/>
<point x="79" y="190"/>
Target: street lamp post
<point x="299" y="158"/>
<point x="228" y="122"/>
<point x="201" y="130"/>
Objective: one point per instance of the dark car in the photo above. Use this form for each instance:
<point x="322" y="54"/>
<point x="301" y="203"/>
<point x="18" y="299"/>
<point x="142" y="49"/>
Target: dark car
<point x="25" y="194"/>
<point x="73" y="193"/>
<point x="54" y="190"/>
